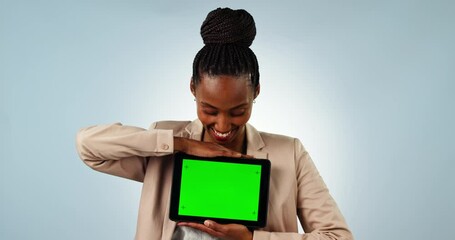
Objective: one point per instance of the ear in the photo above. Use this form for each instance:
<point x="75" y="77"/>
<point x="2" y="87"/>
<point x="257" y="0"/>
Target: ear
<point x="192" y="87"/>
<point x="257" y="91"/>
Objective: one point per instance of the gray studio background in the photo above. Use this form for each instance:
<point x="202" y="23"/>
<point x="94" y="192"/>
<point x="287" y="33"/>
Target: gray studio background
<point x="368" y="86"/>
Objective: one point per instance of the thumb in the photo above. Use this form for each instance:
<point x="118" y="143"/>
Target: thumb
<point x="212" y="225"/>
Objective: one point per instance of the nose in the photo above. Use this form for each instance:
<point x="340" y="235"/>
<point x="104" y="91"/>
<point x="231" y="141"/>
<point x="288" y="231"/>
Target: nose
<point x="223" y="123"/>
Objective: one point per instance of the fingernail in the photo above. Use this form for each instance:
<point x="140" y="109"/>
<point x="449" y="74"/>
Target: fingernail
<point x="207" y="223"/>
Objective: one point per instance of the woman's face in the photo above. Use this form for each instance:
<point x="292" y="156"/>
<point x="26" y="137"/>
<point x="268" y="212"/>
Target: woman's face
<point x="224" y="105"/>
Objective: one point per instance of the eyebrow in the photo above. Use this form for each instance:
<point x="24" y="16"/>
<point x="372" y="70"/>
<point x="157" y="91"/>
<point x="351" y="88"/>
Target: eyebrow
<point x="208" y="105"/>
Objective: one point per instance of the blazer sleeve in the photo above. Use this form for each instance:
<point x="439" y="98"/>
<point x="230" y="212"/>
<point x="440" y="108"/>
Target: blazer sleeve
<point x="317" y="211"/>
<point x="122" y="150"/>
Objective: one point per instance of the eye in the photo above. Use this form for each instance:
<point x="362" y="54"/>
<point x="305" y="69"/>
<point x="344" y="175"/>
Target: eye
<point x="210" y="112"/>
<point x="238" y="112"/>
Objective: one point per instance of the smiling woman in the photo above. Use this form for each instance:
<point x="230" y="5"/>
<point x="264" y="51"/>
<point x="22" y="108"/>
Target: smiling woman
<point x="224" y="105"/>
<point x="225" y="83"/>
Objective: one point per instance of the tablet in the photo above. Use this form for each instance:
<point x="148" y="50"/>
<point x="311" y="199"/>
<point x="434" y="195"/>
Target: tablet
<point x="222" y="189"/>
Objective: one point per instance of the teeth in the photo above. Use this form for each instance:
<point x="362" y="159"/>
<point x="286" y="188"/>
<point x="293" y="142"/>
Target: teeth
<point x="223" y="135"/>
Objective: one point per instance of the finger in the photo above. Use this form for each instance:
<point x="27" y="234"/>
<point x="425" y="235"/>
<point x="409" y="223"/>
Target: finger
<point x="202" y="227"/>
<point x="193" y="225"/>
<point x="215" y="226"/>
<point x="229" y="153"/>
<point x="237" y="154"/>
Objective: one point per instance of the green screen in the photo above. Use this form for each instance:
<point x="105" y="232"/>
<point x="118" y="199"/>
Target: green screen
<point x="220" y="190"/>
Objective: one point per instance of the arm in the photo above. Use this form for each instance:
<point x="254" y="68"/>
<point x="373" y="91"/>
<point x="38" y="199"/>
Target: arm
<point x="316" y="209"/>
<point x="122" y="150"/>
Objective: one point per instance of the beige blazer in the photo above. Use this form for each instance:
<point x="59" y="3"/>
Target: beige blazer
<point x="296" y="188"/>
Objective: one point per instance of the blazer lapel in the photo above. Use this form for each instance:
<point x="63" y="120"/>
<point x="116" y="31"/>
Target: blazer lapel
<point x="194" y="130"/>
<point x="255" y="143"/>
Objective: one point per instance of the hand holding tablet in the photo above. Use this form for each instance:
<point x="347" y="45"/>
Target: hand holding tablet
<point x="226" y="190"/>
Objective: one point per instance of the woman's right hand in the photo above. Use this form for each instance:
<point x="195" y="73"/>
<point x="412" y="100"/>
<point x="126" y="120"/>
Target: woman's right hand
<point x="203" y="149"/>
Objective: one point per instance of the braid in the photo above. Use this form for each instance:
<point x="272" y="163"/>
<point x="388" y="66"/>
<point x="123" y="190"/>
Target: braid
<point x="227" y="35"/>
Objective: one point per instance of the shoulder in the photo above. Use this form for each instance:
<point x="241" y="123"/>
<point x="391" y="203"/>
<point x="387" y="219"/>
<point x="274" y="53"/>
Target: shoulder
<point x="276" y="138"/>
<point x="270" y="141"/>
<point x="282" y="143"/>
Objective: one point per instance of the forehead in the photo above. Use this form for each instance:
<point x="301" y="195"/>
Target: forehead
<point x="224" y="91"/>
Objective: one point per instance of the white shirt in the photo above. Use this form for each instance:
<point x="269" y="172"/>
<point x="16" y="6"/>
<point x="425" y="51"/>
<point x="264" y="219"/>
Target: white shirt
<point x="189" y="233"/>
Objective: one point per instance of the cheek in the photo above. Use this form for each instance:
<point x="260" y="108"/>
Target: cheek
<point x="204" y="118"/>
<point x="241" y="120"/>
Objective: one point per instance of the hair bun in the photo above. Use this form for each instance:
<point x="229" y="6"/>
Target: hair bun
<point x="224" y="26"/>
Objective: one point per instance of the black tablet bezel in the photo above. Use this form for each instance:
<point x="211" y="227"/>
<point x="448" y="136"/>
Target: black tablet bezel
<point x="263" y="195"/>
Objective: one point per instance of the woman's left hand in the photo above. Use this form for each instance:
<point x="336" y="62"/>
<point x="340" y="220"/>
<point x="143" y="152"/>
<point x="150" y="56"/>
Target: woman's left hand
<point x="223" y="231"/>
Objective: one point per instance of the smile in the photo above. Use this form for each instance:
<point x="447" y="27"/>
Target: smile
<point x="223" y="135"/>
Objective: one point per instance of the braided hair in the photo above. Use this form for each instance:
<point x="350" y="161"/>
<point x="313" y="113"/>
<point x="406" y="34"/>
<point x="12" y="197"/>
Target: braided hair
<point x="227" y="35"/>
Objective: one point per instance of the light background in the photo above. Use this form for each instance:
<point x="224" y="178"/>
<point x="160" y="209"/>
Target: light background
<point x="368" y="86"/>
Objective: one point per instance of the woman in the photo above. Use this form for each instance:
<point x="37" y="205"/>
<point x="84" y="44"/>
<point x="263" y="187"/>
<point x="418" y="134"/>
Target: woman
<point x="225" y="83"/>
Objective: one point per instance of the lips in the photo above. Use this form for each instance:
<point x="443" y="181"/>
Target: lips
<point x="222" y="137"/>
